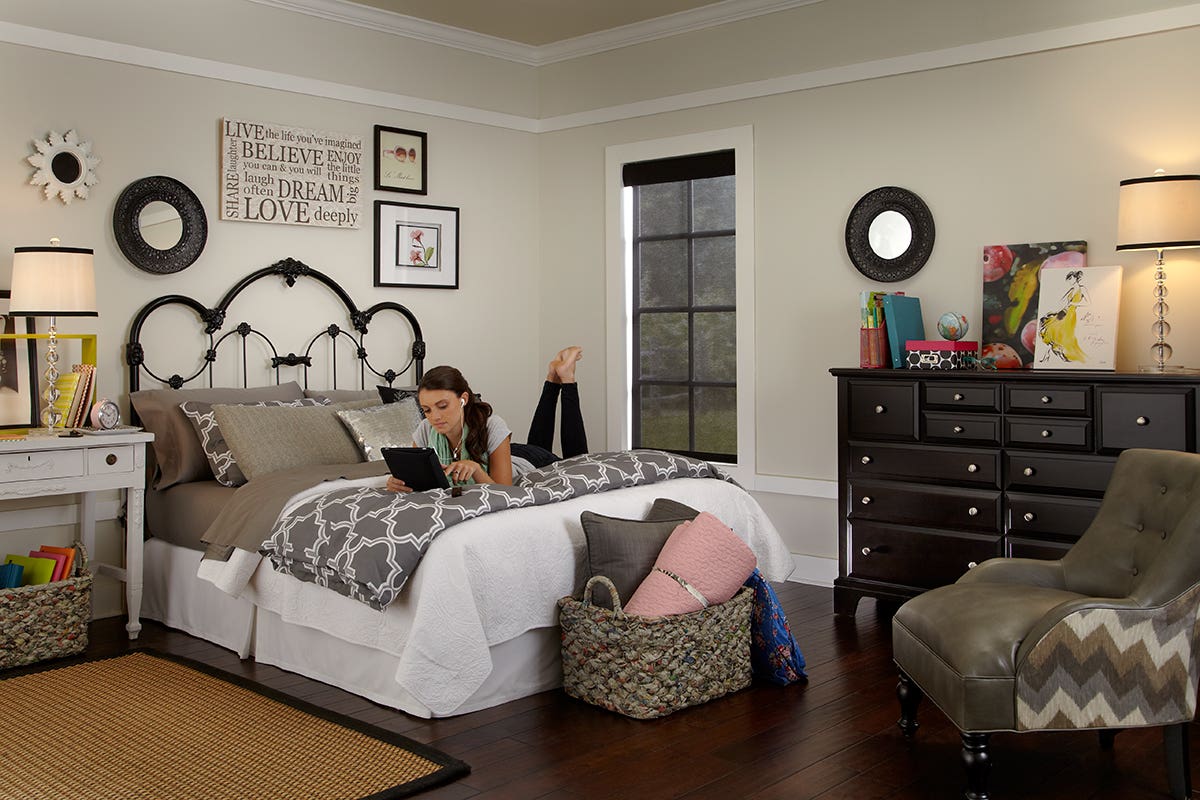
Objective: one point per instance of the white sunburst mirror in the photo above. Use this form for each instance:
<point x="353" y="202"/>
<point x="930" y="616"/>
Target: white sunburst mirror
<point x="65" y="166"/>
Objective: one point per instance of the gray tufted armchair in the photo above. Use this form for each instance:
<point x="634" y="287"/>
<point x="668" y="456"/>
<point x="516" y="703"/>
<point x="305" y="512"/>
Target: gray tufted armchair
<point x="1105" y="638"/>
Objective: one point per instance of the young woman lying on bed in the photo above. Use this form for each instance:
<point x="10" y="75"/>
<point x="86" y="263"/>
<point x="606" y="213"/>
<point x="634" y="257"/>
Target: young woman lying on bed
<point x="475" y="445"/>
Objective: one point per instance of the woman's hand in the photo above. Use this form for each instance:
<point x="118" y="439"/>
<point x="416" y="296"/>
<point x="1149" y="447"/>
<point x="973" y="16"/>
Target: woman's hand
<point x="466" y="470"/>
<point x="394" y="484"/>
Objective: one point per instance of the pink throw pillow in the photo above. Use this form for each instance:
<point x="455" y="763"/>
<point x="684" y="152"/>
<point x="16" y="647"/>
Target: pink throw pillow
<point x="706" y="555"/>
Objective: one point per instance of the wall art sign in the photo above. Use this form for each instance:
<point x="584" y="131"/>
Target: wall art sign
<point x="416" y="245"/>
<point x="401" y="160"/>
<point x="294" y="176"/>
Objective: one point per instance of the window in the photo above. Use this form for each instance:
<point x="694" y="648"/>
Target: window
<point x="684" y="364"/>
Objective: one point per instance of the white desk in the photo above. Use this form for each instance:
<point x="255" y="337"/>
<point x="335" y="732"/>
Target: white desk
<point x="44" y="466"/>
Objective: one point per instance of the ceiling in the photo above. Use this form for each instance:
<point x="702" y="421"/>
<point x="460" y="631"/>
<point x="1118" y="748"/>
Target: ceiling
<point x="536" y="22"/>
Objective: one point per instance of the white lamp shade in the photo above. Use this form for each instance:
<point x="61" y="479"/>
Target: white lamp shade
<point x="53" y="282"/>
<point x="1159" y="213"/>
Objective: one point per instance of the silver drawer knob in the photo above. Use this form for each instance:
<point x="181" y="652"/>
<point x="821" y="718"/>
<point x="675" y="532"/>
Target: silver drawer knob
<point x="958" y="428"/>
<point x="973" y="511"/>
<point x="1046" y="398"/>
<point x="866" y="551"/>
<point x="1046" y="434"/>
<point x="866" y="501"/>
<point x="972" y="564"/>
<point x="972" y="468"/>
<point x="1142" y="421"/>
<point x="958" y="396"/>
<point x="880" y="410"/>
<point x="1028" y="472"/>
<point x="1029" y="516"/>
<point x="865" y="459"/>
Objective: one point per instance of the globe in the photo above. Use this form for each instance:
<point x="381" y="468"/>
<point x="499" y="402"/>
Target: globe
<point x="952" y="326"/>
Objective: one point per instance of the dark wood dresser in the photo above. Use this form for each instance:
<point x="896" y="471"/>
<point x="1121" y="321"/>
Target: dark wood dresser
<point x="939" y="470"/>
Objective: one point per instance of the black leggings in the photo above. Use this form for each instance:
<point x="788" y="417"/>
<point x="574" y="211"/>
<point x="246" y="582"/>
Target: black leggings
<point x="541" y="428"/>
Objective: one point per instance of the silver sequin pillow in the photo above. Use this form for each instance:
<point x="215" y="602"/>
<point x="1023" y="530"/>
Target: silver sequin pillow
<point x="389" y="425"/>
<point x="216" y="449"/>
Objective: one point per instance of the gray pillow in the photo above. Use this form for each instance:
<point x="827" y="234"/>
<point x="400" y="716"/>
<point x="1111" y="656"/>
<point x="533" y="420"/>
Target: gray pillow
<point x="176" y="447"/>
<point x="389" y="425"/>
<point x="267" y="439"/>
<point x="212" y="440"/>
<point x="340" y="395"/>
<point x="624" y="550"/>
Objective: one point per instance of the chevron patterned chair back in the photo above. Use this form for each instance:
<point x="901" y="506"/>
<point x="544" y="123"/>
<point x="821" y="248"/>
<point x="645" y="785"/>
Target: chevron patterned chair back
<point x="1105" y="638"/>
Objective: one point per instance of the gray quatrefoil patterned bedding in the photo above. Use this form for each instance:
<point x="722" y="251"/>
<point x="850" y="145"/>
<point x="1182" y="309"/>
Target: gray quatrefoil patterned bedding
<point x="366" y="542"/>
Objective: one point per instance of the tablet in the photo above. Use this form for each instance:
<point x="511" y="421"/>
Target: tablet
<point x="418" y="467"/>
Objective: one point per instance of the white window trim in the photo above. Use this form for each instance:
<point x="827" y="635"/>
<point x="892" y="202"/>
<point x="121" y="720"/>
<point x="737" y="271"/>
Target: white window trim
<point x="618" y="289"/>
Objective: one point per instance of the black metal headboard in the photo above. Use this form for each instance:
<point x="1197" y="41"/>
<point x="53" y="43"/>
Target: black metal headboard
<point x="213" y="320"/>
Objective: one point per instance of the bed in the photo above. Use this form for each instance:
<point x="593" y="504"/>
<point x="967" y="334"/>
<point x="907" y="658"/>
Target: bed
<point x="475" y="624"/>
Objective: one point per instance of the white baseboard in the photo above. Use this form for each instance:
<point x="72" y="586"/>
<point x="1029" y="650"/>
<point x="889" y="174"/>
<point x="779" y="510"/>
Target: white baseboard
<point x="814" y="570"/>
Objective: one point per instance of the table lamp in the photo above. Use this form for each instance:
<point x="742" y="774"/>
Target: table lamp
<point x="1161" y="212"/>
<point x="52" y="282"/>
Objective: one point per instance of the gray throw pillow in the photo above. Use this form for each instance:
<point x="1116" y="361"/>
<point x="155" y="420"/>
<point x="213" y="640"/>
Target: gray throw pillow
<point x="340" y="395"/>
<point x="266" y="439"/>
<point x="212" y="440"/>
<point x="624" y="550"/>
<point x="389" y="425"/>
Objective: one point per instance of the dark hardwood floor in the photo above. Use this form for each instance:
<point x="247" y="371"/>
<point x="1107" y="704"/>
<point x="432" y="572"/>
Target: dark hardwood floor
<point x="834" y="737"/>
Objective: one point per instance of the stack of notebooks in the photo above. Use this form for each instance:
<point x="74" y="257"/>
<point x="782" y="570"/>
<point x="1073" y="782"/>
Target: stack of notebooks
<point x="900" y="314"/>
<point x="45" y="565"/>
<point x="74" y="394"/>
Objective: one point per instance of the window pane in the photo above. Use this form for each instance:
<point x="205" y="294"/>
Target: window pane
<point x="662" y="274"/>
<point x="712" y="204"/>
<point x="664" y="412"/>
<point x="716" y="346"/>
<point x="664" y="346"/>
<point x="662" y="208"/>
<point x="715" y="271"/>
<point x="716" y="420"/>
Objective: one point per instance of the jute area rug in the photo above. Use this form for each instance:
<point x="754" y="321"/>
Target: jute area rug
<point x="146" y="727"/>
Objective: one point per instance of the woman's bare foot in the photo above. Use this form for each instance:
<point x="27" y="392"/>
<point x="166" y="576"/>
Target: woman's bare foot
<point x="562" y="367"/>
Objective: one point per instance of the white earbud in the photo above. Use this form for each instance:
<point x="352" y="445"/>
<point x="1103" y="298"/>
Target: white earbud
<point x="462" y="402"/>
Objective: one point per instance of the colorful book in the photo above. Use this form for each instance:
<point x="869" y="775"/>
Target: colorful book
<point x="903" y="316"/>
<point x="37" y="570"/>
<point x="10" y="575"/>
<point x="66" y="384"/>
<point x="81" y="403"/>
<point x="67" y="552"/>
<point x="59" y="562"/>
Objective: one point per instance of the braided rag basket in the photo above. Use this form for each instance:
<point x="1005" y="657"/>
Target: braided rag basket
<point x="49" y="620"/>
<point x="646" y="667"/>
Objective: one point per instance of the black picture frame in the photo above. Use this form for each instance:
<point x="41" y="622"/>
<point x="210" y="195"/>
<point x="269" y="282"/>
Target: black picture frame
<point x="19" y="373"/>
<point x="416" y="246"/>
<point x="393" y="174"/>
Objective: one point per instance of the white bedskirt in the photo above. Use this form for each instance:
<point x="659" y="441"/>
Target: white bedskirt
<point x="477" y="624"/>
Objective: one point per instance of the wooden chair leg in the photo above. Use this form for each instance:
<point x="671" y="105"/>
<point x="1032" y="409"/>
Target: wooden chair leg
<point x="910" y="697"/>
<point x="1107" y="737"/>
<point x="978" y="764"/>
<point x="1179" y="773"/>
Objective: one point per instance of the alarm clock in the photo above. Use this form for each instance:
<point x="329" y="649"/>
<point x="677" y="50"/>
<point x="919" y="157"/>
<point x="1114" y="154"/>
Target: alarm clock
<point x="105" y="415"/>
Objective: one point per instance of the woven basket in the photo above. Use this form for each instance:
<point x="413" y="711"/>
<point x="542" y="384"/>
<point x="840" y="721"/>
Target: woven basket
<point x="49" y="620"/>
<point x="646" y="667"/>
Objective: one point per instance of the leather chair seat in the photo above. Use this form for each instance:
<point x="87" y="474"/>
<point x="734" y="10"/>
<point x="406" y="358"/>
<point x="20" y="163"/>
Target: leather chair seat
<point x="961" y="641"/>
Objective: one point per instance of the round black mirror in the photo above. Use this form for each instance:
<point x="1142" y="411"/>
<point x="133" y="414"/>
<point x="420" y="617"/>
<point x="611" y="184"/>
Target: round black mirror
<point x="889" y="234"/>
<point x="160" y="225"/>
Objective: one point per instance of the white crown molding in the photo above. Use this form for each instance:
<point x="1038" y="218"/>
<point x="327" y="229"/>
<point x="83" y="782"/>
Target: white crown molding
<point x="382" y="21"/>
<point x="1087" y="33"/>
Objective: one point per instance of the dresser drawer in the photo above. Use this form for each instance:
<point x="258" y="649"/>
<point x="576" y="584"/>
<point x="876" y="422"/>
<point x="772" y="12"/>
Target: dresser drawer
<point x="942" y="464"/>
<point x="1067" y="517"/>
<point x="1074" y="400"/>
<point x="1163" y="419"/>
<point x="37" y="464"/>
<point x="106" y="460"/>
<point x="1063" y="473"/>
<point x="1049" y="433"/>
<point x="882" y="410"/>
<point x="972" y="428"/>
<point x="973" y="396"/>
<point x="913" y="504"/>
<point x="915" y="558"/>
<point x="1036" y="548"/>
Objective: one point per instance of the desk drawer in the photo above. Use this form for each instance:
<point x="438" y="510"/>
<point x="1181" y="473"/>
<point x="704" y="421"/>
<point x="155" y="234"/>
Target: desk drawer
<point x="30" y="466"/>
<point x="973" y="428"/>
<point x="975" y="396"/>
<point x="916" y="558"/>
<point x="943" y="464"/>
<point x="1055" y="434"/>
<point x="1049" y="400"/>
<point x="1162" y="419"/>
<point x="107" y="460"/>
<point x="880" y="410"/>
<point x="1057" y="473"/>
<point x="925" y="506"/>
<point x="1033" y="514"/>
<point x="1035" y="548"/>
